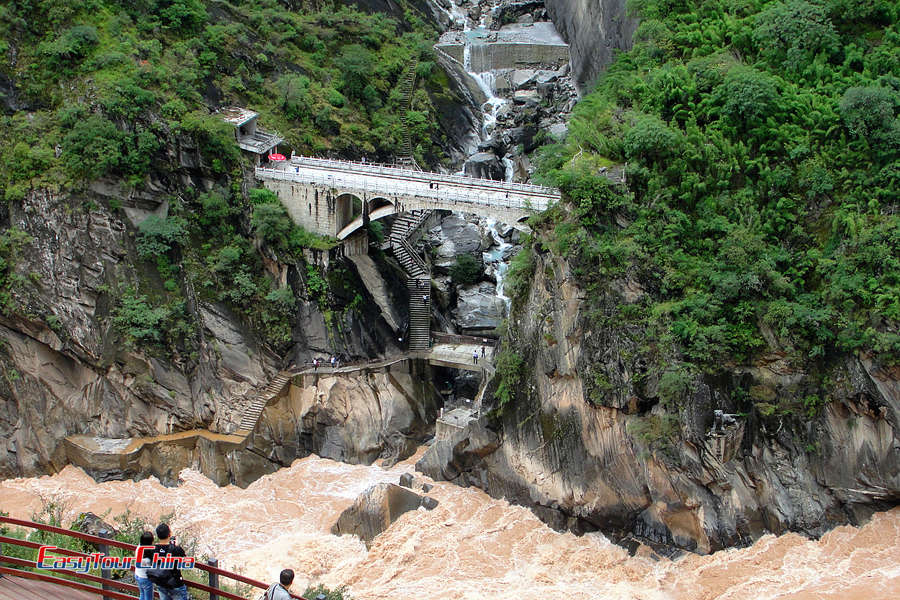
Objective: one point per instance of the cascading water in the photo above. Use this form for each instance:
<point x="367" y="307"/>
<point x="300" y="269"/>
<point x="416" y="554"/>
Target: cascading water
<point x="484" y="79"/>
<point x="496" y="258"/>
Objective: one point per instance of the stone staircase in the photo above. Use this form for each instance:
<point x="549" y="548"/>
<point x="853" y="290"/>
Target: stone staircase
<point x="407" y="86"/>
<point x="419" y="280"/>
<point x="254" y="410"/>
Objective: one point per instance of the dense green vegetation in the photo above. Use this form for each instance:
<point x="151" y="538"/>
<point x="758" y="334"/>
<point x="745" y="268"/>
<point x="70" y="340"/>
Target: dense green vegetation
<point x="465" y="270"/>
<point x="126" y="90"/>
<point x="762" y="206"/>
<point x="109" y="82"/>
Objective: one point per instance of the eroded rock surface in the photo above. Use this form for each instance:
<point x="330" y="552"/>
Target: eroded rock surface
<point x="576" y="448"/>
<point x="374" y="510"/>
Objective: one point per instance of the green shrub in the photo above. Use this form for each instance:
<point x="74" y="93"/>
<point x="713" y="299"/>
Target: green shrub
<point x="511" y="373"/>
<point x="157" y="236"/>
<point x="93" y="147"/>
<point x="335" y="594"/>
<point x="12" y="241"/>
<point x="650" y="138"/>
<point x="355" y="65"/>
<point x="73" y="43"/>
<point x="868" y="112"/>
<point x="793" y="31"/>
<point x="138" y="320"/>
<point x="465" y="270"/>
<point x="272" y="224"/>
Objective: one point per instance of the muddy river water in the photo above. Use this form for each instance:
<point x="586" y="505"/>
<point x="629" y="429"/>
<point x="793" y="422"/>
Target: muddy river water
<point x="471" y="546"/>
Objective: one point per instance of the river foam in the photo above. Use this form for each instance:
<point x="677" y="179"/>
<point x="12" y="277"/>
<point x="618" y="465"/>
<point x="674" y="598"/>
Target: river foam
<point x="471" y="546"/>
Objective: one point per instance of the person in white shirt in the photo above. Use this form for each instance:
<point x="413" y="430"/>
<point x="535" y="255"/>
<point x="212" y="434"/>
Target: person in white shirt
<point x="281" y="590"/>
<point x="145" y="586"/>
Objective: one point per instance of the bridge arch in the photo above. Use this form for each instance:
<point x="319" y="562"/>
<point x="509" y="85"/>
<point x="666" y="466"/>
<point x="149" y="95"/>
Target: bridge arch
<point x="378" y="202"/>
<point x="347" y="207"/>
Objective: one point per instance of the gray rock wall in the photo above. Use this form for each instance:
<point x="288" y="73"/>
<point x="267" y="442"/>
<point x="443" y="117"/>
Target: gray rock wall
<point x="594" y="30"/>
<point x="577" y="457"/>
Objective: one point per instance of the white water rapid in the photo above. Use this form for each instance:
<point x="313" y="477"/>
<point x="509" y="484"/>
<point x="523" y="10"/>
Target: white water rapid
<point x="471" y="547"/>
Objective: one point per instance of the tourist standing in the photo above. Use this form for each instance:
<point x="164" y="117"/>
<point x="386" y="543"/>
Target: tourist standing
<point x="168" y="581"/>
<point x="282" y="589"/>
<point x="144" y="585"/>
<point x="475" y="356"/>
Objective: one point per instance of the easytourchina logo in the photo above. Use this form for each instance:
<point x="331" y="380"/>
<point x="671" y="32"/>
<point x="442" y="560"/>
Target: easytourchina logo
<point x="52" y="557"/>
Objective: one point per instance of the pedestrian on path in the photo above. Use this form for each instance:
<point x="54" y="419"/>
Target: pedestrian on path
<point x="475" y="356"/>
<point x="333" y="361"/>
<point x="482" y="352"/>
<point x="316" y="364"/>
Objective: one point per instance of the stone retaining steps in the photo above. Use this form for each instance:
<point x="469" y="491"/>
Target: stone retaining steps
<point x="419" y="281"/>
<point x="254" y="410"/>
<point x="407" y="85"/>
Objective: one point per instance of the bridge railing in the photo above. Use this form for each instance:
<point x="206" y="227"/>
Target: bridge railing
<point x="382" y="169"/>
<point x="104" y="584"/>
<point x="466" y="193"/>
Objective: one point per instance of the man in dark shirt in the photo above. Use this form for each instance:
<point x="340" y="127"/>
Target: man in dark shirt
<point x="172" y="586"/>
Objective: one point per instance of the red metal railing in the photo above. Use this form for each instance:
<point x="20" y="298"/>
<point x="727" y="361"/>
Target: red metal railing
<point x="214" y="571"/>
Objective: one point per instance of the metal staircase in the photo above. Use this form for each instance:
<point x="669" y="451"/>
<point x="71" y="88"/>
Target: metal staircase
<point x="419" y="280"/>
<point x="254" y="410"/>
<point x="407" y="85"/>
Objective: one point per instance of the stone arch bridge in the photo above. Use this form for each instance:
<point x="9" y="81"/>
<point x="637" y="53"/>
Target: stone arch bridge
<point x="332" y="197"/>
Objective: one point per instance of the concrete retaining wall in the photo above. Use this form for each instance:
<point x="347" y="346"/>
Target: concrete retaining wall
<point x="512" y="55"/>
<point x="313" y="207"/>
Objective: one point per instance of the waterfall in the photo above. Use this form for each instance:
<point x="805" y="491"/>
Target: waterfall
<point x="484" y="79"/>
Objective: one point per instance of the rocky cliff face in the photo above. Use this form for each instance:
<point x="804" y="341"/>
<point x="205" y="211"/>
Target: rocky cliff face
<point x="594" y="30"/>
<point x="356" y="418"/>
<point x="614" y="457"/>
<point x="65" y="369"/>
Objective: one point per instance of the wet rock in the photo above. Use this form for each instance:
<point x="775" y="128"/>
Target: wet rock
<point x="429" y="503"/>
<point x="92" y="524"/>
<point x="485" y="165"/>
<point x="479" y="307"/>
<point x="375" y="510"/>
<point x="523" y="136"/>
<point x="594" y="30"/>
<point x="406" y="480"/>
<point x="521" y="78"/>
<point x="356" y="418"/>
<point x="526" y="97"/>
<point x="455" y="236"/>
<point x="493" y="144"/>
<point x="558" y="131"/>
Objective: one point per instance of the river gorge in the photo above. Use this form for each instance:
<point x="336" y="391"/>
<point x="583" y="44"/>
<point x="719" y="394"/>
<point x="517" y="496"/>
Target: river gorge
<point x="470" y="547"/>
<point x="679" y="381"/>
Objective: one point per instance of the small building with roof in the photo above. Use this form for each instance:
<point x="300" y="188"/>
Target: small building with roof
<point x="250" y="137"/>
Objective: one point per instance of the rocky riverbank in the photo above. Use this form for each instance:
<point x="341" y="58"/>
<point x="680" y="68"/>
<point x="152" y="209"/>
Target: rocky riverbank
<point x="617" y="460"/>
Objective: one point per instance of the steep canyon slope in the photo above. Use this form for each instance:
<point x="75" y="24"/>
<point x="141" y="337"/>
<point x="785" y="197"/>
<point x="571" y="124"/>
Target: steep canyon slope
<point x="145" y="286"/>
<point x="748" y="265"/>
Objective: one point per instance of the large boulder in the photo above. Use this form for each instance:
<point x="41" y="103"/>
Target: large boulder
<point x="455" y="236"/>
<point x="485" y="165"/>
<point x="375" y="509"/>
<point x="479" y="307"/>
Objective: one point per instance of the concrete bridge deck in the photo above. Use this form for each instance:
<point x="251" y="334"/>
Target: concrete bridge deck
<point x="303" y="184"/>
<point x="456" y="356"/>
